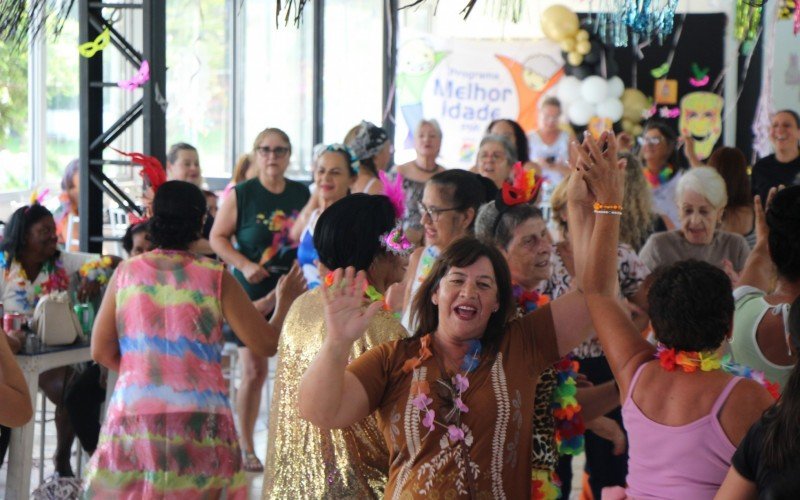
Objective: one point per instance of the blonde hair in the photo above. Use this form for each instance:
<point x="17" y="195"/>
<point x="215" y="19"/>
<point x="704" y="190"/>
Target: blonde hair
<point x="270" y="131"/>
<point x="241" y="168"/>
<point x="706" y="182"/>
<point x="636" y="223"/>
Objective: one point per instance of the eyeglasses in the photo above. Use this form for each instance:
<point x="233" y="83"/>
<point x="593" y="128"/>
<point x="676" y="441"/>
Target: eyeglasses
<point x="434" y="213"/>
<point x="653" y="141"/>
<point x="278" y="151"/>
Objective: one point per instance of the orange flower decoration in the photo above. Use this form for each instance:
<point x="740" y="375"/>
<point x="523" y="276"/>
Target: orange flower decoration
<point x="420" y="387"/>
<point x="424" y="353"/>
<point x="667" y="359"/>
<point x="689" y="361"/>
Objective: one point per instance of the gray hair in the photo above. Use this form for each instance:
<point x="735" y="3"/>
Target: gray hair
<point x="706" y="182"/>
<point x="499" y="233"/>
<point x="511" y="150"/>
<point x="433" y="123"/>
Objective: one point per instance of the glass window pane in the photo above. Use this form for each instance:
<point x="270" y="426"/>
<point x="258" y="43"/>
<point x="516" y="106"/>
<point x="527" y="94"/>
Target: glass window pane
<point x="199" y="75"/>
<point x="353" y="67"/>
<point x="277" y="80"/>
<point x="15" y="158"/>
<point x="62" y="118"/>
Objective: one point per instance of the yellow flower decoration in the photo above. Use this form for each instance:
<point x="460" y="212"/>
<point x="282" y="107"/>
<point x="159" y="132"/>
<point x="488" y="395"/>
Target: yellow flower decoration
<point x="709" y="361"/>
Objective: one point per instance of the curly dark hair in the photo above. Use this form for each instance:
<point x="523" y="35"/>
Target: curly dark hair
<point x="520" y="138"/>
<point x="178" y="211"/>
<point x="462" y="253"/>
<point x="130" y="232"/>
<point x="691" y="305"/>
<point x="16" y="231"/>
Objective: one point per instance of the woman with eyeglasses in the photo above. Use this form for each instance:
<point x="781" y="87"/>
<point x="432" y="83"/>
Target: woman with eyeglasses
<point x="259" y="213"/>
<point x="450" y="201"/>
<point x="658" y="147"/>
<point x="496" y="155"/>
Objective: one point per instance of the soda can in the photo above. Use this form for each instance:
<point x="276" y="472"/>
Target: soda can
<point x="12" y="322"/>
<point x="85" y="313"/>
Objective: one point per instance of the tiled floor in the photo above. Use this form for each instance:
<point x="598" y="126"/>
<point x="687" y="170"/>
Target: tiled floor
<point x="255" y="480"/>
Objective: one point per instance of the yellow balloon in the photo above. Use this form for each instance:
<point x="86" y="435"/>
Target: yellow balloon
<point x="637" y="130"/>
<point x="559" y="23"/>
<point x="583" y="47"/>
<point x="568" y="45"/>
<point x="582" y="35"/>
<point x="574" y="58"/>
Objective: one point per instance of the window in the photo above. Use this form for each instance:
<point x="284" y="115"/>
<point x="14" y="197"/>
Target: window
<point x="353" y="66"/>
<point x="15" y="158"/>
<point x="199" y="80"/>
<point x="277" y="80"/>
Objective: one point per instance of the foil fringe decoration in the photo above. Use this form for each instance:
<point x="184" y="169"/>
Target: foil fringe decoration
<point x="20" y="19"/>
<point x="624" y="22"/>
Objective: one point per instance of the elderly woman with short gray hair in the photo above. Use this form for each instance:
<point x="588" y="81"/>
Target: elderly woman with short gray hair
<point x="701" y="197"/>
<point x="495" y="157"/>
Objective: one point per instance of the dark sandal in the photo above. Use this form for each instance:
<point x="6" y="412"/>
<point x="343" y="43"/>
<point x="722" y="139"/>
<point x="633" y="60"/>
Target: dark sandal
<point x="251" y="463"/>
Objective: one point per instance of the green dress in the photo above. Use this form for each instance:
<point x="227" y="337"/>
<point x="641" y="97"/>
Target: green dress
<point x="262" y="230"/>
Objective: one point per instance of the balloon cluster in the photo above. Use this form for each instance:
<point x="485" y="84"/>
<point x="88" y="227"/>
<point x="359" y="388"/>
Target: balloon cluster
<point x="591" y="97"/>
<point x="634" y="105"/>
<point x="562" y="25"/>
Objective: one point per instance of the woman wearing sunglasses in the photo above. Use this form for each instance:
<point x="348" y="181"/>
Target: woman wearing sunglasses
<point x="658" y="147"/>
<point x="259" y="214"/>
<point x="450" y="201"/>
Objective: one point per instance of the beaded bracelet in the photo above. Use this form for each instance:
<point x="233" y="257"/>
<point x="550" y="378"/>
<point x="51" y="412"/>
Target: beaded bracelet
<point x="607" y="208"/>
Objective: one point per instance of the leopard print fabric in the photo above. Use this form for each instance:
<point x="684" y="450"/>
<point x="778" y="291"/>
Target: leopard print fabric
<point x="544" y="454"/>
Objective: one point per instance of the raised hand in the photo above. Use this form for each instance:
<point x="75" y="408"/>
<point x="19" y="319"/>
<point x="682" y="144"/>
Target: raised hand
<point x="345" y="315"/>
<point x="762" y="229"/>
<point x="604" y="172"/>
<point x="290" y="286"/>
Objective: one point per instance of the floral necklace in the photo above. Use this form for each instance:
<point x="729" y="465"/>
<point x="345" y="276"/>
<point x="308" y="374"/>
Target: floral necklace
<point x="528" y="300"/>
<point x="662" y="177"/>
<point x="57" y="280"/>
<point x="690" y="361"/>
<point x="453" y="389"/>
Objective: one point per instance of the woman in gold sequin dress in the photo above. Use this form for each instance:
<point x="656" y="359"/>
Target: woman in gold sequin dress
<point x="304" y="461"/>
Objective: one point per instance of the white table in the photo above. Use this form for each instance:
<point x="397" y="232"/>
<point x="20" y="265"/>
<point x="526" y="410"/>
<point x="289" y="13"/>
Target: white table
<point x="20" y="457"/>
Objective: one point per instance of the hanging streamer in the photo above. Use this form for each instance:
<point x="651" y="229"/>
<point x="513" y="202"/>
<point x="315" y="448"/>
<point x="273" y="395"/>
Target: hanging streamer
<point x="748" y="19"/>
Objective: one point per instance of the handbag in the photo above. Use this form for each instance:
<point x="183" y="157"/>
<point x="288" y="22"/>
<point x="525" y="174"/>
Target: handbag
<point x="54" y="320"/>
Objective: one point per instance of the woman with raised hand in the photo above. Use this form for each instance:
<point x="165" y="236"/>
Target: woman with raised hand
<point x="769" y="282"/>
<point x="449" y="204"/>
<point x="259" y="215"/>
<point x="767" y="462"/>
<point x="351" y="232"/>
<point x="455" y="402"/>
<point x="169" y="431"/>
<point x="684" y="412"/>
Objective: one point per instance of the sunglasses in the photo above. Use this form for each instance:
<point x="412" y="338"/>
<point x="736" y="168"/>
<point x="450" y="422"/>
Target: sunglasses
<point x="278" y="151"/>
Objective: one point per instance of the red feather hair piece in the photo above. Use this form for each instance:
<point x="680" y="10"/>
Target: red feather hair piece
<point x="525" y="188"/>
<point x="152" y="169"/>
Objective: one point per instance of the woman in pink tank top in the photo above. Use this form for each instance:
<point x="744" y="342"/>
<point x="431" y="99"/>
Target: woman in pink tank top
<point x="683" y="411"/>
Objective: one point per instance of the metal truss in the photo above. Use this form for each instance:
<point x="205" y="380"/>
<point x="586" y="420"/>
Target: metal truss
<point x="93" y="137"/>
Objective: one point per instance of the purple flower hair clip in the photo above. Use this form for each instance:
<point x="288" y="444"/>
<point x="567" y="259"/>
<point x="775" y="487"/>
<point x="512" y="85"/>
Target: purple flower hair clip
<point x="396" y="242"/>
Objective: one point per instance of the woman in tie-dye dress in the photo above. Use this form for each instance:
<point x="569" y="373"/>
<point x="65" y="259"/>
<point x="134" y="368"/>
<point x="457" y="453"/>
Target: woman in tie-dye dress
<point x="169" y="432"/>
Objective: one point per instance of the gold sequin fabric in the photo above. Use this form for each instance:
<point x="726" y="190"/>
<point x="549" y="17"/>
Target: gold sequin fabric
<point x="304" y="461"/>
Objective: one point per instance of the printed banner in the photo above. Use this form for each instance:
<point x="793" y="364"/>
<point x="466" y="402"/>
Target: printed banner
<point x="464" y="85"/>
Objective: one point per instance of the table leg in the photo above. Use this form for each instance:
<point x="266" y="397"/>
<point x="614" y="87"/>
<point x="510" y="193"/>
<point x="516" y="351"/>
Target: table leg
<point x="20" y="458"/>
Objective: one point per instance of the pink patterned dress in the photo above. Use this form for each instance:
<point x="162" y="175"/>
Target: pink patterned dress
<point x="169" y="432"/>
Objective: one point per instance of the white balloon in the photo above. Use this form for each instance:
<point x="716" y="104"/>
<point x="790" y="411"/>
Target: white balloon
<point x="615" y="87"/>
<point x="580" y="112"/>
<point x="610" y="108"/>
<point x="594" y="89"/>
<point x="569" y="89"/>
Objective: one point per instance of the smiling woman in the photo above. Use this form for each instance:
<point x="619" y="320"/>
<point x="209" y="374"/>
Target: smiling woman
<point x="701" y="199"/>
